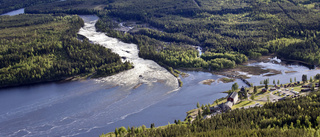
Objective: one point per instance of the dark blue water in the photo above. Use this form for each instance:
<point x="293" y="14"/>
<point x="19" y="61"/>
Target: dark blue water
<point x="15" y="12"/>
<point x="88" y="108"/>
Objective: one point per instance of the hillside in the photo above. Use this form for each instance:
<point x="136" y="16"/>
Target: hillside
<point x="166" y="30"/>
<point x="37" y="48"/>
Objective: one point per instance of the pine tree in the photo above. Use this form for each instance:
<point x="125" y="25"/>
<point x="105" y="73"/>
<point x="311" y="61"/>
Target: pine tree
<point x="255" y="90"/>
<point x="274" y="82"/>
<point x="116" y="132"/>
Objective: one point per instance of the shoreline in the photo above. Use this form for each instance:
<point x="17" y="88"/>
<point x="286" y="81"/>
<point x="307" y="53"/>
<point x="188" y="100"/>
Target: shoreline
<point x="58" y="80"/>
<point x="224" y="72"/>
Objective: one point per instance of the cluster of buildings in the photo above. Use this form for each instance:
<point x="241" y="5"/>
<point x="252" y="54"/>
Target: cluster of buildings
<point x="231" y="100"/>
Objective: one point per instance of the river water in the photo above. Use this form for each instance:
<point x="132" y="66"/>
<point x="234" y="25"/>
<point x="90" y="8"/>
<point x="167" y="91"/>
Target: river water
<point x="15" y="12"/>
<point x="94" y="106"/>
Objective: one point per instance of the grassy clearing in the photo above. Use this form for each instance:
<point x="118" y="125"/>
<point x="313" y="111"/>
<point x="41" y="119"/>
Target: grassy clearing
<point x="242" y="104"/>
<point x="226" y="80"/>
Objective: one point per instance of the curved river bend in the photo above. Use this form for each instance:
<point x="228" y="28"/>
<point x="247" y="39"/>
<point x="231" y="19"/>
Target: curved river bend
<point x="91" y="107"/>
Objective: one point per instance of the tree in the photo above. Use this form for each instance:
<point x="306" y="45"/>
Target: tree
<point x="304" y="78"/>
<point x="290" y="80"/>
<point x="295" y="79"/>
<point x="235" y="86"/>
<point x="198" y="105"/>
<point x="152" y="126"/>
<point x="312" y="87"/>
<point x="245" y="93"/>
<point x="128" y="129"/>
<point x="252" y="96"/>
<point x="278" y="82"/>
<point x="266" y="82"/>
<point x="311" y="80"/>
<point x="122" y="130"/>
<point x="317" y="77"/>
<point x="266" y="86"/>
<point x="143" y="128"/>
<point x="116" y="132"/>
<point x="208" y="110"/>
<point x="274" y="82"/>
<point x="217" y="102"/>
<point x="255" y="89"/>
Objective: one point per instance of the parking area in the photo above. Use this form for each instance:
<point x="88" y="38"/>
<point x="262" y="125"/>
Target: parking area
<point x="285" y="92"/>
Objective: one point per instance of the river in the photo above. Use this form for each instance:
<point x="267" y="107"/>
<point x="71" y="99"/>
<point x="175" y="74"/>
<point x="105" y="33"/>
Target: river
<point x="95" y="106"/>
<point x="15" y="12"/>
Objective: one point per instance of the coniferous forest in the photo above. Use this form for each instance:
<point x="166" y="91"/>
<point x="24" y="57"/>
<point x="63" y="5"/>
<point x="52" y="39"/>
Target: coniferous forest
<point x="37" y="48"/>
<point x="168" y="30"/>
<point x="43" y="45"/>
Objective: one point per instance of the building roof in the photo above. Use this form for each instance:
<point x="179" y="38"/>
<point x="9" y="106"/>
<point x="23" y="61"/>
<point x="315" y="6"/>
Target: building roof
<point x="228" y="104"/>
<point x="233" y="95"/>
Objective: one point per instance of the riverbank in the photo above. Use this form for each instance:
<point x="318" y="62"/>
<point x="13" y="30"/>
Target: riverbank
<point x="257" y="97"/>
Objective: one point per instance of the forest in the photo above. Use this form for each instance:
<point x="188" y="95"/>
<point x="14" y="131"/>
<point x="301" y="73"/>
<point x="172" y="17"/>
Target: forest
<point x="290" y="117"/>
<point x="167" y="31"/>
<point x="39" y="47"/>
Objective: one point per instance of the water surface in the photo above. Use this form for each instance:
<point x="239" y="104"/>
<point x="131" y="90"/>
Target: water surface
<point x="15" y="12"/>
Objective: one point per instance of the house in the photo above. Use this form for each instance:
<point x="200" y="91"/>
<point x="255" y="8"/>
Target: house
<point x="217" y="108"/>
<point x="227" y="106"/>
<point x="233" y="97"/>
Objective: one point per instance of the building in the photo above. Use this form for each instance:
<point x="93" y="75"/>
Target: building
<point x="233" y="97"/>
<point x="272" y="89"/>
<point x="227" y="106"/>
<point x="305" y="86"/>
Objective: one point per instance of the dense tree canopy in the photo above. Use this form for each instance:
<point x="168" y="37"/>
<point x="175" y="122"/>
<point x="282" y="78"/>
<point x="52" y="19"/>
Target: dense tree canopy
<point x="36" y="48"/>
<point x="240" y="28"/>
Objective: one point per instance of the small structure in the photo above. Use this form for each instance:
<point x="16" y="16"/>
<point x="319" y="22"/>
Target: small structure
<point x="227" y="106"/>
<point x="233" y="98"/>
<point x="264" y="90"/>
<point x="243" y="92"/>
<point x="305" y="86"/>
<point x="305" y="89"/>
<point x="217" y="108"/>
<point x="272" y="89"/>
